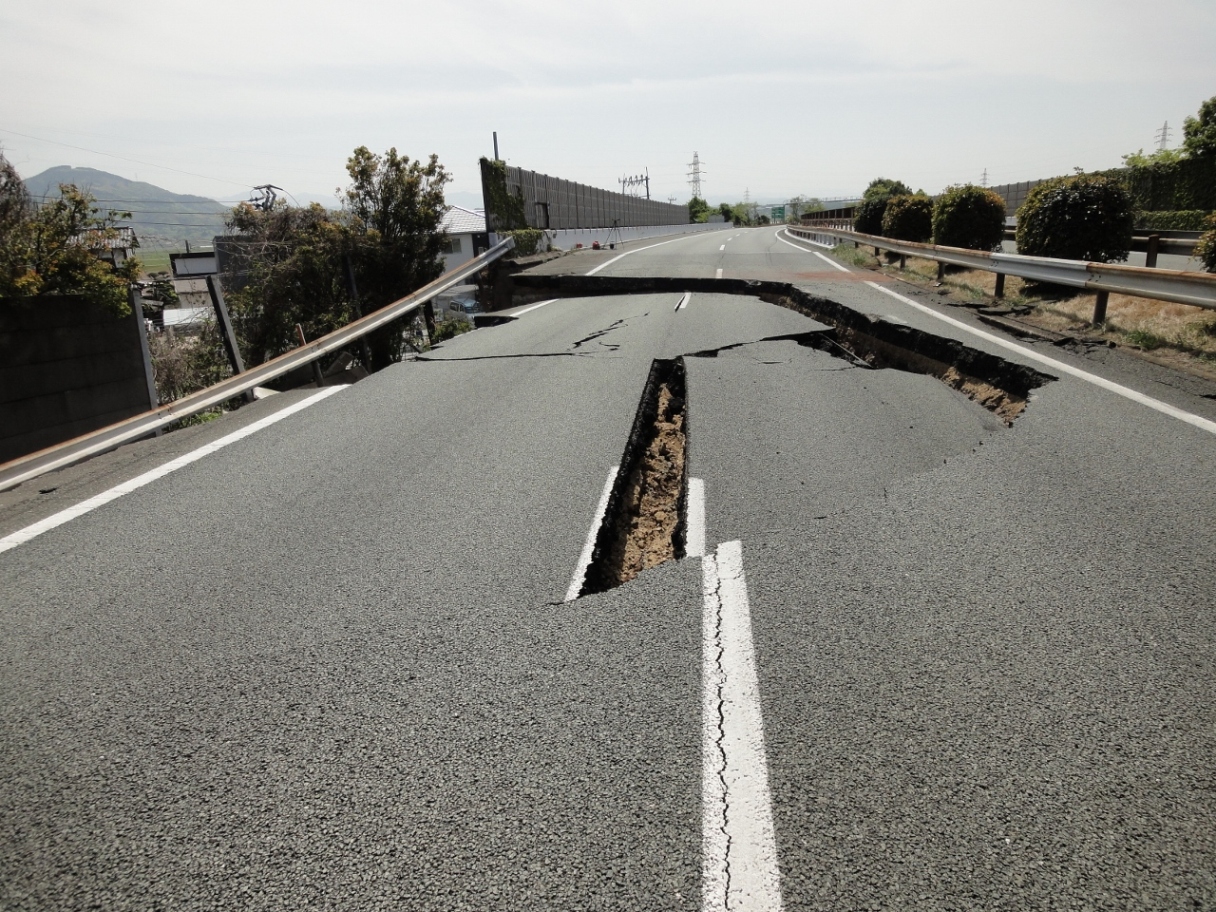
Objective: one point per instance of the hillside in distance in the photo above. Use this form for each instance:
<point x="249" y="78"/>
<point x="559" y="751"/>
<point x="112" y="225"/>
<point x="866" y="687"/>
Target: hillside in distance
<point x="161" y="219"/>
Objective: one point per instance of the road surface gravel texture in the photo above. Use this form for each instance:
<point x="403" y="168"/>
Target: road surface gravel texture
<point x="332" y="666"/>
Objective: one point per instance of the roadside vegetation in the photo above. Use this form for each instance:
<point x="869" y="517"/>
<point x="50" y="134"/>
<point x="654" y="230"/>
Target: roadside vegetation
<point x="1081" y="216"/>
<point x="309" y="269"/>
<point x="1176" y="332"/>
<point x="56" y="247"/>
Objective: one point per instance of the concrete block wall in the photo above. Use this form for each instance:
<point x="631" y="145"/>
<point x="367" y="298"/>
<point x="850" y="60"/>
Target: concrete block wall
<point x="67" y="367"/>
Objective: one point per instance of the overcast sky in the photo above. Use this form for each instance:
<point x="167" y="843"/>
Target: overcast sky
<point x="778" y="98"/>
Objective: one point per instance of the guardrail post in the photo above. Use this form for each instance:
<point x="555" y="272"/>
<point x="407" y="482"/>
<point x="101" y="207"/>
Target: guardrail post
<point x="1150" y="257"/>
<point x="1100" y="307"/>
<point x="225" y="325"/>
<point x="903" y="261"/>
<point x="364" y="349"/>
<point x="137" y="312"/>
<point x="941" y="272"/>
<point x="1000" y="285"/>
<point x="317" y="376"/>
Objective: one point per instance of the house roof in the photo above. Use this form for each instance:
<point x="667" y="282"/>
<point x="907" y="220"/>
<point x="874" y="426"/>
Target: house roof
<point x="107" y="238"/>
<point x="464" y="221"/>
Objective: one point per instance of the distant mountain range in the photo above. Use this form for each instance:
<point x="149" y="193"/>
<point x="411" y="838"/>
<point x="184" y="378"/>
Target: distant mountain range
<point x="161" y="219"/>
<point x="164" y="220"/>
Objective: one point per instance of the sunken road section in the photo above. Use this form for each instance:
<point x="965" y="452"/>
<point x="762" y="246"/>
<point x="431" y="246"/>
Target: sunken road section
<point x="1001" y="386"/>
<point x="644" y="523"/>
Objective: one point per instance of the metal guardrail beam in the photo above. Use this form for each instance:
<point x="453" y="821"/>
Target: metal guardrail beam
<point x="1195" y="288"/>
<point x="26" y="467"/>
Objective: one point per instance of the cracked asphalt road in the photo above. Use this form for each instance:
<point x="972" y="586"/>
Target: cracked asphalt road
<point x="330" y="666"/>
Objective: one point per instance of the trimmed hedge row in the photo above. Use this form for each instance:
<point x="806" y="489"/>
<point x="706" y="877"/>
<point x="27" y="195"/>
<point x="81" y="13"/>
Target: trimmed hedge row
<point x="1180" y="220"/>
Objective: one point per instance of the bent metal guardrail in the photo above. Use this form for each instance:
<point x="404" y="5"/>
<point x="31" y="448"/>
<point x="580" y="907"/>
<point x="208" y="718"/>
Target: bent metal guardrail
<point x="26" y="467"/>
<point x="1195" y="288"/>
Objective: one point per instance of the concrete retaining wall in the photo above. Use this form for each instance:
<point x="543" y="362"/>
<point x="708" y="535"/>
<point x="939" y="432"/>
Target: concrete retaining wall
<point x="67" y="367"/>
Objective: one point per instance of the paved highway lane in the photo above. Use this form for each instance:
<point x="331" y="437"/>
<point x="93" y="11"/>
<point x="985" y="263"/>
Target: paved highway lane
<point x="332" y="665"/>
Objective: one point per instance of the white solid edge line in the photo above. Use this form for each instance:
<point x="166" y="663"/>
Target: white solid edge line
<point x="584" y="559"/>
<point x="826" y="259"/>
<point x="803" y="240"/>
<point x="694" y="536"/>
<point x="1166" y="409"/>
<point x="684" y="300"/>
<point x="683" y="237"/>
<point x="737" y="813"/>
<point x="87" y="506"/>
<point x="520" y="313"/>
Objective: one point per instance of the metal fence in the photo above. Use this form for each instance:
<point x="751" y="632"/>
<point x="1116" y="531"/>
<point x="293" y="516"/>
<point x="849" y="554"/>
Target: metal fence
<point x="553" y="203"/>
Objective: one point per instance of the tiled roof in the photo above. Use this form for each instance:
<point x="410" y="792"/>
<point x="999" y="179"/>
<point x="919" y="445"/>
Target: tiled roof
<point x="464" y="221"/>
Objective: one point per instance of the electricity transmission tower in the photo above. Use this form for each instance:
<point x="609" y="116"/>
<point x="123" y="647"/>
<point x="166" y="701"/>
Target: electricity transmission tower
<point x="984" y="179"/>
<point x="1163" y="136"/>
<point x="695" y="175"/>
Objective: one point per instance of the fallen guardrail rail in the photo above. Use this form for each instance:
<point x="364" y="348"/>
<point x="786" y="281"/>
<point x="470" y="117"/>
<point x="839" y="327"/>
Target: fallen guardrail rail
<point x="1197" y="289"/>
<point x="24" y="468"/>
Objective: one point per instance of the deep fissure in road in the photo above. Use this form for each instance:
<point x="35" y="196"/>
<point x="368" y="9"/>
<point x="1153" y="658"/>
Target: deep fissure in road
<point x="1001" y="386"/>
<point x="644" y="523"/>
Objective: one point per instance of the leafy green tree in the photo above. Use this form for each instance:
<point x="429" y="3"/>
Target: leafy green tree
<point x="1138" y="159"/>
<point x="884" y="188"/>
<point x="394" y="211"/>
<point x="1199" y="133"/>
<point x="289" y="271"/>
<point x="801" y="205"/>
<point x="56" y="248"/>
<point x="291" y="266"/>
<point x="698" y="209"/>
<point x="727" y="211"/>
<point x="868" y="218"/>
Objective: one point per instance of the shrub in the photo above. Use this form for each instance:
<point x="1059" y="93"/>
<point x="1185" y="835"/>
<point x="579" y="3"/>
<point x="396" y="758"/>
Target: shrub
<point x="868" y="219"/>
<point x="1175" y="220"/>
<point x="1205" y="250"/>
<point x="970" y="217"/>
<point x="908" y="218"/>
<point x="1076" y="218"/>
<point x="528" y="241"/>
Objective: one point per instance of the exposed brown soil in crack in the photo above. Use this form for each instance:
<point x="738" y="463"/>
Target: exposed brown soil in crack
<point x="644" y="523"/>
<point x="652" y="495"/>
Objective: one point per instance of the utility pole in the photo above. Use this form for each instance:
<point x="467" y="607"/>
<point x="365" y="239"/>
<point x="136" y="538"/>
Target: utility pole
<point x="631" y="186"/>
<point x="1163" y="136"/>
<point x="695" y="176"/>
<point x="496" y="146"/>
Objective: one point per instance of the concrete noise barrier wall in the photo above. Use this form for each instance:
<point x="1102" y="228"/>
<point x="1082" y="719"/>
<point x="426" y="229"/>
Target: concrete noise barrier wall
<point x="68" y="367"/>
<point x="540" y="201"/>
